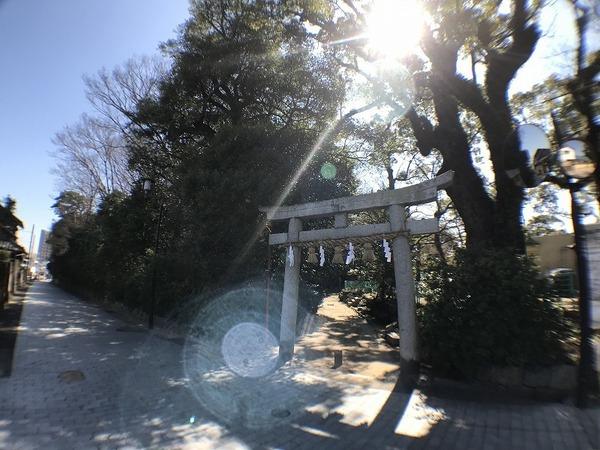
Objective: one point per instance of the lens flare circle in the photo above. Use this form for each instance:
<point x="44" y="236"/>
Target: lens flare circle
<point x="328" y="171"/>
<point x="230" y="358"/>
<point x="250" y="350"/>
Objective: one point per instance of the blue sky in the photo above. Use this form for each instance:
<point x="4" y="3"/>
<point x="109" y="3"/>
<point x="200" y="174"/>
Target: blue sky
<point x="45" y="48"/>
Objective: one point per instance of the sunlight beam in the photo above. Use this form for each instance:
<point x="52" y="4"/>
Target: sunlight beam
<point x="418" y="418"/>
<point x="394" y="27"/>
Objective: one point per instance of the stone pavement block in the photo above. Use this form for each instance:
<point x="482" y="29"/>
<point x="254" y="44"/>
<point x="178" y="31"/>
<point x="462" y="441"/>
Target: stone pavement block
<point x="528" y="439"/>
<point x="476" y="438"/>
<point x="491" y="439"/>
<point x="517" y="440"/>
<point x="557" y="440"/>
<point x="463" y="432"/>
<point x="583" y="442"/>
<point x="525" y="418"/>
<point x="504" y="436"/>
<point x="419" y="443"/>
<point x="503" y="418"/>
<point x="543" y="440"/>
<point x="491" y="418"/>
<point x="439" y="435"/>
<point x="540" y="423"/>
<point x="569" y="440"/>
<point x="590" y="421"/>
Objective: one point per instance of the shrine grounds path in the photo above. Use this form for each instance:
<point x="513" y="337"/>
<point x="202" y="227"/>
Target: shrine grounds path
<point x="82" y="378"/>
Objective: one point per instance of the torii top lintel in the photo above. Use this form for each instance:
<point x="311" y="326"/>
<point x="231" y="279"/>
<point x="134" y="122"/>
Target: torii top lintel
<point x="424" y="192"/>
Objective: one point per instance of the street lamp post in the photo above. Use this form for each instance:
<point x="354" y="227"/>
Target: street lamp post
<point x="576" y="172"/>
<point x="585" y="371"/>
<point x="147" y="186"/>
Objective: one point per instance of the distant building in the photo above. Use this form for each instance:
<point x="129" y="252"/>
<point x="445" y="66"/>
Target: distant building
<point x="43" y="253"/>
<point x="555" y="251"/>
<point x="593" y="254"/>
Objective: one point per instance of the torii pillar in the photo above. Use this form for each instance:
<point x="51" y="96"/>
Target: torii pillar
<point x="405" y="297"/>
<point x="289" y="307"/>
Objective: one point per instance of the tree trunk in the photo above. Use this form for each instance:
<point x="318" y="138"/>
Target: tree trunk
<point x="467" y="191"/>
<point x="490" y="220"/>
<point x="582" y="88"/>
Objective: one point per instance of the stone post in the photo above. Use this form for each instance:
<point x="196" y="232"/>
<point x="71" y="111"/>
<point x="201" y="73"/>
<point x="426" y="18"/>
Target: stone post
<point x="289" y="307"/>
<point x="405" y="296"/>
<point x="16" y="270"/>
<point x="11" y="278"/>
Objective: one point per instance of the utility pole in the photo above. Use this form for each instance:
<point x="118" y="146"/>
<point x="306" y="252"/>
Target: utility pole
<point x="30" y="250"/>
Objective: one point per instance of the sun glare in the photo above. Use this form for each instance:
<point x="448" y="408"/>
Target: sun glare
<point x="394" y="27"/>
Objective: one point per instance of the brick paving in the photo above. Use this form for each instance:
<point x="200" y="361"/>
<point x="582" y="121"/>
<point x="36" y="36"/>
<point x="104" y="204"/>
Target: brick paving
<point x="82" y="379"/>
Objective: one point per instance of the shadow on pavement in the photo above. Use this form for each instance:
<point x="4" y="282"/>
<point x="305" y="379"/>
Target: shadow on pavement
<point x="10" y="317"/>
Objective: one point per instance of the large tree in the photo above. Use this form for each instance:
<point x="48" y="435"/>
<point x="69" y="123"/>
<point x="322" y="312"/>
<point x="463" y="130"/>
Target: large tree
<point x="236" y="126"/>
<point x="91" y="159"/>
<point x="92" y="153"/>
<point x="499" y="44"/>
<point x="583" y="86"/>
<point x="491" y="219"/>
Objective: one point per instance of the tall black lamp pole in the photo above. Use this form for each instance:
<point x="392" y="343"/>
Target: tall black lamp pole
<point x="585" y="370"/>
<point x="577" y="170"/>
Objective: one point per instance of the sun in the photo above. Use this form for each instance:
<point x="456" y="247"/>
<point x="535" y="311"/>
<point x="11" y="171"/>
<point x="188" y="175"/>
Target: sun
<point x="394" y="27"/>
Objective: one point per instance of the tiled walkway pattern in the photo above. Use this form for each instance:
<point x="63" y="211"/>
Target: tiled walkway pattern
<point x="139" y="390"/>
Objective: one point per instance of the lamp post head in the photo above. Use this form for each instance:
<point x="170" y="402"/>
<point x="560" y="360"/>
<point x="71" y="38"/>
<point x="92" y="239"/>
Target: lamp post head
<point x="571" y="158"/>
<point x="147" y="185"/>
<point x="573" y="161"/>
<point x="535" y="147"/>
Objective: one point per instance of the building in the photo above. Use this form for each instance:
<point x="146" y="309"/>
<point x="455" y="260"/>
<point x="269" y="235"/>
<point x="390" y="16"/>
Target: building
<point x="553" y="251"/>
<point x="43" y="253"/>
<point x="557" y="250"/>
<point x="593" y="254"/>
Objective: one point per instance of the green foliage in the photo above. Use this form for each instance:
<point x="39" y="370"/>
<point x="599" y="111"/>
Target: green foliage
<point x="231" y="127"/>
<point x="9" y="223"/>
<point x="101" y="254"/>
<point x="71" y="205"/>
<point x="488" y="309"/>
<point x="245" y="102"/>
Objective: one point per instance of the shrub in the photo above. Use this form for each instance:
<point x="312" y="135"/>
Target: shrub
<point x="488" y="309"/>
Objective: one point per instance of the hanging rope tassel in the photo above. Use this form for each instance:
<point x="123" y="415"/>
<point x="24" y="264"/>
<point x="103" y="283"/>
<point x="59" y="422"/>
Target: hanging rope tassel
<point x="312" y="256"/>
<point x="338" y="255"/>
<point x="368" y="255"/>
<point x="290" y="256"/>
<point x="387" y="251"/>
<point x="350" y="256"/>
<point x="322" y="256"/>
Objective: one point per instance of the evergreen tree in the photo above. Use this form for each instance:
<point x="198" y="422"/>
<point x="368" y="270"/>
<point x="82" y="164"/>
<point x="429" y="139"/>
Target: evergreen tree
<point x="9" y="222"/>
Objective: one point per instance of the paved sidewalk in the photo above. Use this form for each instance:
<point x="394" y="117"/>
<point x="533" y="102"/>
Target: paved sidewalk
<point x="84" y="379"/>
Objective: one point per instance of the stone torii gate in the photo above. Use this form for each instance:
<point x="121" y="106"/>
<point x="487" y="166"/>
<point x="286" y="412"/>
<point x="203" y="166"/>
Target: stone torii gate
<point x="398" y="229"/>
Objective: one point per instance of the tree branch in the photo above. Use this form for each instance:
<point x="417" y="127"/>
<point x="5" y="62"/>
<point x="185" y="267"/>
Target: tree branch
<point x="503" y="66"/>
<point x="423" y="130"/>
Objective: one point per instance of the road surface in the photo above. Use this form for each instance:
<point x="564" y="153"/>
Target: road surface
<point x="82" y="379"/>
